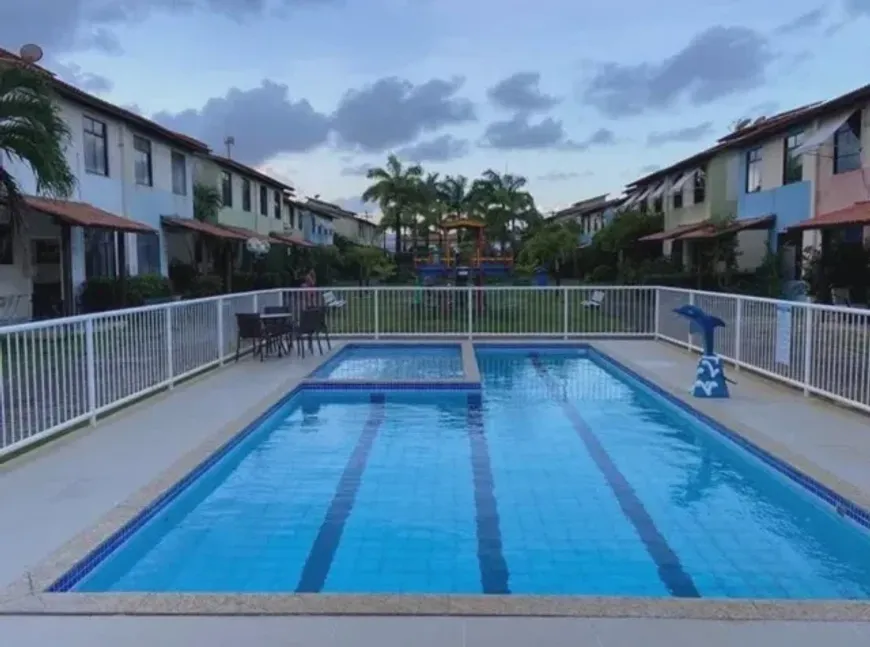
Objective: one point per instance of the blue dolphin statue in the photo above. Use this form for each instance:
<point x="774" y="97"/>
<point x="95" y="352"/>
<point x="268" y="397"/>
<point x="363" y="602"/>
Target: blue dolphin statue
<point x="710" y="379"/>
<point x="703" y="323"/>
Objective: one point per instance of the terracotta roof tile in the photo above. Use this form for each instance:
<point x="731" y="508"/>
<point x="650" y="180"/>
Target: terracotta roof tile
<point x="207" y="228"/>
<point x="857" y="214"/>
<point x="81" y="214"/>
<point x="287" y="239"/>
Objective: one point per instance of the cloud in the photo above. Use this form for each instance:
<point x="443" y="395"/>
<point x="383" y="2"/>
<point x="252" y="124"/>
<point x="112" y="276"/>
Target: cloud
<point x="440" y="149"/>
<point x="356" y="204"/>
<point x="804" y="22"/>
<point x="521" y="92"/>
<point x="68" y="25"/>
<point x="393" y="111"/>
<point x="687" y="134"/>
<point x="718" y="62"/>
<point x="857" y="7"/>
<point x="359" y="170"/>
<point x="264" y="121"/>
<point x="75" y="75"/>
<point x="562" y="176"/>
<point x="519" y="133"/>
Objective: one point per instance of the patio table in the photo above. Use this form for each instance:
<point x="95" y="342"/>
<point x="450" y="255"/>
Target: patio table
<point x="286" y="321"/>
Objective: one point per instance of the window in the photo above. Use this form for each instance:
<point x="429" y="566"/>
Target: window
<point x="847" y="145"/>
<point x="100" y="254"/>
<point x="264" y="201"/>
<point x="753" y="170"/>
<point x="142" y="167"/>
<point x="658" y="203"/>
<point x="276" y="205"/>
<point x="148" y="253"/>
<point x="179" y="173"/>
<point x="678" y="199"/>
<point x="792" y="165"/>
<point x="246" y="194"/>
<point x="699" y="187"/>
<point x="226" y="189"/>
<point x="96" y="149"/>
<point x="292" y="218"/>
<point x="7" y="244"/>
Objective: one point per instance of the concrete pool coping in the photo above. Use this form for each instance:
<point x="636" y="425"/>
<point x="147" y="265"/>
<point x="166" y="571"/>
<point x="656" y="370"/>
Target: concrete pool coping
<point x="26" y="596"/>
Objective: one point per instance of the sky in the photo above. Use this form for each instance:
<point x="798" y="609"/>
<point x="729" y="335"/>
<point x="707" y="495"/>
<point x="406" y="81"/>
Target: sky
<point x="581" y="98"/>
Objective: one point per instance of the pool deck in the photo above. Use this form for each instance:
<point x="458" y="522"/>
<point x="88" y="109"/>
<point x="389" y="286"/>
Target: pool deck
<point x="62" y="498"/>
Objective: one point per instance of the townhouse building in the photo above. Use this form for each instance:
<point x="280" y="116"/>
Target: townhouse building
<point x="131" y="172"/>
<point x="591" y="215"/>
<point x="316" y="220"/>
<point x="350" y="225"/>
<point x="251" y="201"/>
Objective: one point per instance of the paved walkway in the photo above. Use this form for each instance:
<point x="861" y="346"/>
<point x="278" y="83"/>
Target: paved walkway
<point x="55" y="492"/>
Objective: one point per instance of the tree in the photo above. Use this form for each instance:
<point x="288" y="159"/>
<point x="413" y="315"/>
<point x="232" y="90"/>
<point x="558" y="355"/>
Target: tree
<point x="32" y="131"/>
<point x="207" y="202"/>
<point x="550" y="246"/>
<point x="396" y="189"/>
<point x="504" y="203"/>
<point x="372" y="262"/>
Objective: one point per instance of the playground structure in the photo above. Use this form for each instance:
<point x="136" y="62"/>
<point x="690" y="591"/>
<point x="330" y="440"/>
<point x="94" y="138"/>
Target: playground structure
<point x="448" y="265"/>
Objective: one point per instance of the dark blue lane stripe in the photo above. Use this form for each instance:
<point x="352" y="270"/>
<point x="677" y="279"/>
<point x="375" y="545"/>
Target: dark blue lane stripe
<point x="323" y="549"/>
<point x="668" y="564"/>
<point x="493" y="568"/>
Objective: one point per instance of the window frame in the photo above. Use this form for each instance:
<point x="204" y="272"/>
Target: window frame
<point x="792" y="165"/>
<point x="142" y="146"/>
<point x="677" y="199"/>
<point x="853" y="126"/>
<point x="753" y="158"/>
<point x="174" y="158"/>
<point x="227" y="189"/>
<point x="276" y="205"/>
<point x="246" y="195"/>
<point x="264" y="201"/>
<point x="88" y="134"/>
<point x="699" y="187"/>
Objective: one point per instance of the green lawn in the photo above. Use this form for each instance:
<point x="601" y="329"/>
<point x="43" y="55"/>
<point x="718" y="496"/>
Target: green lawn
<point x="410" y="311"/>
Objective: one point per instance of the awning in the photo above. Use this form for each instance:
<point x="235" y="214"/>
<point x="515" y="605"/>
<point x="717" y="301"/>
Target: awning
<point x="81" y="214"/>
<point x="657" y="192"/>
<point x="857" y="214"/>
<point x="200" y="227"/>
<point x="676" y="232"/>
<point x="711" y="231"/>
<point x="824" y="132"/>
<point x="630" y="201"/>
<point x="684" y="179"/>
<point x="246" y="234"/>
<point x="287" y="239"/>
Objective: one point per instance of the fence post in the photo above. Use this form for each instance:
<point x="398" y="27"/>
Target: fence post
<point x="691" y="303"/>
<point x="738" y="324"/>
<point x="91" y="369"/>
<point x="565" y="311"/>
<point x="377" y="314"/>
<point x="470" y="311"/>
<point x="170" y="370"/>
<point x="220" y="329"/>
<point x="656" y="311"/>
<point x="808" y="348"/>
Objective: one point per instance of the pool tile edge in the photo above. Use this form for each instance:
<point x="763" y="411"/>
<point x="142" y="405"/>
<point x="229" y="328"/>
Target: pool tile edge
<point x="429" y="605"/>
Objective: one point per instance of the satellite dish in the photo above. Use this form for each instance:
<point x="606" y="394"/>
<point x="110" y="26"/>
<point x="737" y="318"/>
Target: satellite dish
<point x="30" y="53"/>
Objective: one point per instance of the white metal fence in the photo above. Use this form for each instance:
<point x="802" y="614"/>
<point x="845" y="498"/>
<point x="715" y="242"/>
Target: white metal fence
<point x="60" y="373"/>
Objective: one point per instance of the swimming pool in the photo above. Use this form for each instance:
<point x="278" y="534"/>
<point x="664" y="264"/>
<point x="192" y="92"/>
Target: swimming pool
<point x="394" y="362"/>
<point x="563" y="476"/>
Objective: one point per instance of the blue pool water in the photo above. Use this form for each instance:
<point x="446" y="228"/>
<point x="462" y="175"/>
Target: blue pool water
<point x="562" y="477"/>
<point x="394" y="362"/>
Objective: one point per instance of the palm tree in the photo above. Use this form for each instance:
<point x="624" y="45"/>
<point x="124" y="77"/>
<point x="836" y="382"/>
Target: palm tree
<point x="431" y="205"/>
<point x="207" y="202"/>
<point x="396" y="189"/>
<point x="457" y="198"/>
<point x="32" y="131"/>
<point x="504" y="203"/>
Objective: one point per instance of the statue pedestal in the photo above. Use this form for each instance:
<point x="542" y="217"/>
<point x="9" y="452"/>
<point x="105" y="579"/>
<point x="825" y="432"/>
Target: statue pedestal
<point x="710" y="378"/>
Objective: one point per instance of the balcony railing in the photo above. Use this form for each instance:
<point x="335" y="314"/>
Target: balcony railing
<point x="65" y="372"/>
